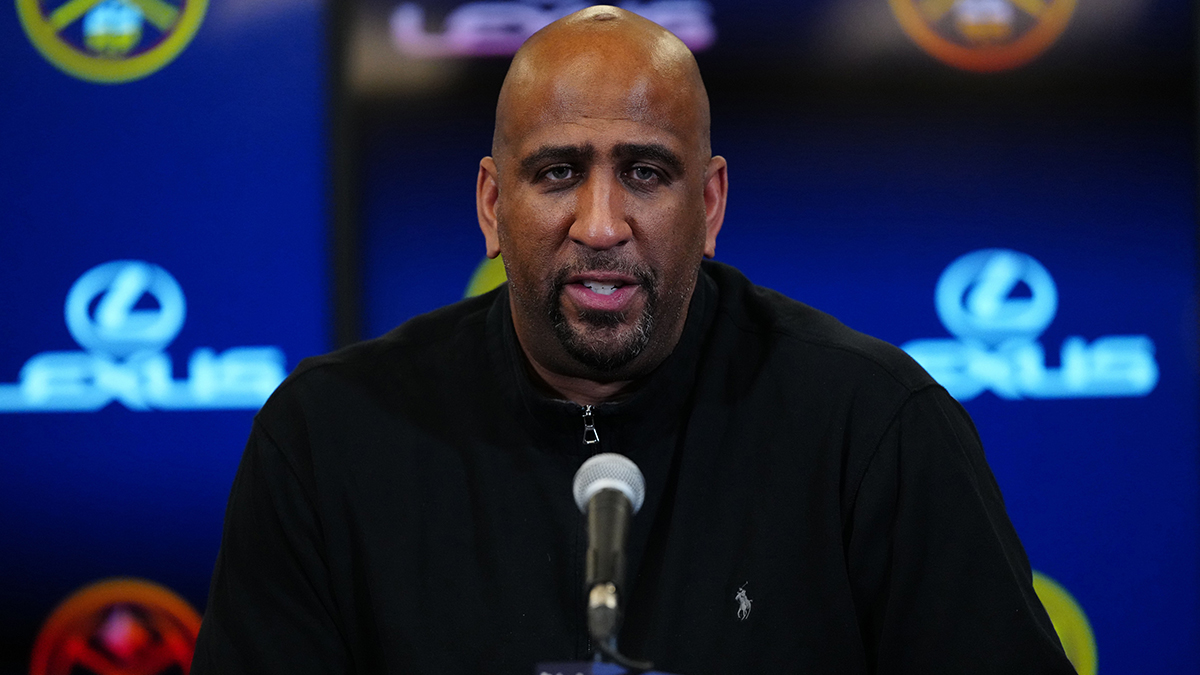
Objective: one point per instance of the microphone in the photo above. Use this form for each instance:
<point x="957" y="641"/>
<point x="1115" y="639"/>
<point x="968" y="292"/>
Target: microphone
<point x="609" y="488"/>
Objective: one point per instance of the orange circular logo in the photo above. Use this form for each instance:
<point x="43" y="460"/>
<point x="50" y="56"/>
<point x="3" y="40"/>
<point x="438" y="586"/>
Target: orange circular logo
<point x="983" y="35"/>
<point x="117" y="627"/>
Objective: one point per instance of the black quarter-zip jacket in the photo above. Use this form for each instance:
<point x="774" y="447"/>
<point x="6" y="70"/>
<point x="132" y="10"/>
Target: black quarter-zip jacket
<point x="815" y="503"/>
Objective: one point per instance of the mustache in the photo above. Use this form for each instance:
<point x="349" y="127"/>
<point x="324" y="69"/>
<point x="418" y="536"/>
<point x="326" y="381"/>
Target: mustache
<point x="605" y="261"/>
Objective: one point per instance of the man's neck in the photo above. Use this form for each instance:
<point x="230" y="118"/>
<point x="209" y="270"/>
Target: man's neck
<point x="576" y="389"/>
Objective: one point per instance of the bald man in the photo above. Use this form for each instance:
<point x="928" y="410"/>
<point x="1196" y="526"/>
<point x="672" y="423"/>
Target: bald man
<point x="815" y="503"/>
<point x="602" y="177"/>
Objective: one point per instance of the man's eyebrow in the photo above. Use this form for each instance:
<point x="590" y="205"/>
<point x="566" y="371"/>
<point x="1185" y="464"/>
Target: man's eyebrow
<point x="652" y="151"/>
<point x="573" y="154"/>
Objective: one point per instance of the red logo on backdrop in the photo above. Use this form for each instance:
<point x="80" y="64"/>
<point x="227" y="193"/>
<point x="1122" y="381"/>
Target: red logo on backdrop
<point x="118" y="627"/>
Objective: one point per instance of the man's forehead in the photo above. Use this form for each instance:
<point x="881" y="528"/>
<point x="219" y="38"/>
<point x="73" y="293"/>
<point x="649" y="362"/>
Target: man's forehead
<point x="636" y="102"/>
<point x="581" y="99"/>
<point x="602" y="66"/>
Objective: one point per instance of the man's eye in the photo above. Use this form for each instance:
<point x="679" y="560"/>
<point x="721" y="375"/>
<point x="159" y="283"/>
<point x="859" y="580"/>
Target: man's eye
<point x="560" y="173"/>
<point x="643" y="174"/>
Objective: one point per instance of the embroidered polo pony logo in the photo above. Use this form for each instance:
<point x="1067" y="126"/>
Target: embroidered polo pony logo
<point x="744" y="603"/>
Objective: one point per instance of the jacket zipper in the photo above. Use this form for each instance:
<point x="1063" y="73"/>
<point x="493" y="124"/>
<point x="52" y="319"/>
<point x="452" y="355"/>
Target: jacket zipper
<point x="590" y="435"/>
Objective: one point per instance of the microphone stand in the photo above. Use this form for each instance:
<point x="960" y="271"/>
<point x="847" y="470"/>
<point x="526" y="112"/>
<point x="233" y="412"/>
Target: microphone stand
<point x="603" y="617"/>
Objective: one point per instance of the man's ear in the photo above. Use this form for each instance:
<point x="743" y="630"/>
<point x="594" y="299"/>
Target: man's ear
<point x="716" y="189"/>
<point x="487" y="191"/>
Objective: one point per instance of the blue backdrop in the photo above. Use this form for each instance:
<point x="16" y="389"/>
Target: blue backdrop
<point x="862" y="167"/>
<point x="212" y="169"/>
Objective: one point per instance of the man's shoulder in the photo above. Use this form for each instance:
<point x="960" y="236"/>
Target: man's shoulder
<point x="429" y="347"/>
<point x="441" y="330"/>
<point x="809" y="336"/>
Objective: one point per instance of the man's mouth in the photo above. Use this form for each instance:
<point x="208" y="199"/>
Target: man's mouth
<point x="601" y="291"/>
<point x="601" y="287"/>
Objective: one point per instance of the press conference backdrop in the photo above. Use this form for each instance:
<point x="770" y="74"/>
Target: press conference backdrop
<point x="163" y="265"/>
<point x="1005" y="188"/>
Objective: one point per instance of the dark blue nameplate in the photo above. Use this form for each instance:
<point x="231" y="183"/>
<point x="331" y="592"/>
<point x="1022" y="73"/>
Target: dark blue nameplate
<point x="585" y="668"/>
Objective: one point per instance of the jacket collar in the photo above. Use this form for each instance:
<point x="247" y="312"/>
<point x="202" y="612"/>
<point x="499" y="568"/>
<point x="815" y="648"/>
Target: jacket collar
<point x="655" y="409"/>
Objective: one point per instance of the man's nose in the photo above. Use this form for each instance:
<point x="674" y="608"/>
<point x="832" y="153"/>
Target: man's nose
<point x="600" y="218"/>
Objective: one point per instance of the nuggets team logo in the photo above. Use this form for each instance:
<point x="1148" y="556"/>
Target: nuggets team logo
<point x="110" y="41"/>
<point x="118" y="627"/>
<point x="983" y="35"/>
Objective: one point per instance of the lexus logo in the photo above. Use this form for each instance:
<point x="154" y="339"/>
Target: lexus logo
<point x="117" y="326"/>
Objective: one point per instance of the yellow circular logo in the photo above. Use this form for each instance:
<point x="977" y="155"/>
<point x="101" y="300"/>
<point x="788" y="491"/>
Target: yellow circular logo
<point x="1070" y="623"/>
<point x="983" y="35"/>
<point x="110" y="41"/>
<point x="488" y="275"/>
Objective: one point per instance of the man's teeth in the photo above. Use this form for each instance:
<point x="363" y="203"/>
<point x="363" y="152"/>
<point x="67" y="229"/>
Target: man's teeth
<point x="602" y="289"/>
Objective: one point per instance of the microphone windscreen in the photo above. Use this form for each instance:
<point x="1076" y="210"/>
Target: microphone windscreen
<point x="612" y="471"/>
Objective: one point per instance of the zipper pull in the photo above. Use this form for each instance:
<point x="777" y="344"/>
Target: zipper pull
<point x="590" y="435"/>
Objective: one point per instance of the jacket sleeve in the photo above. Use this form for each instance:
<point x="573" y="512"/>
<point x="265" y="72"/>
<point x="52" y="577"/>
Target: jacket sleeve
<point x="941" y="581"/>
<point x="270" y="609"/>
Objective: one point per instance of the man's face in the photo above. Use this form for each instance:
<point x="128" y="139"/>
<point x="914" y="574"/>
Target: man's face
<point x="601" y="218"/>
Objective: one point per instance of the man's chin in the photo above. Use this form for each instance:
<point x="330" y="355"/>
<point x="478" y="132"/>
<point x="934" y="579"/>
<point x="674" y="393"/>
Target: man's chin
<point x="599" y="322"/>
<point x="603" y="348"/>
